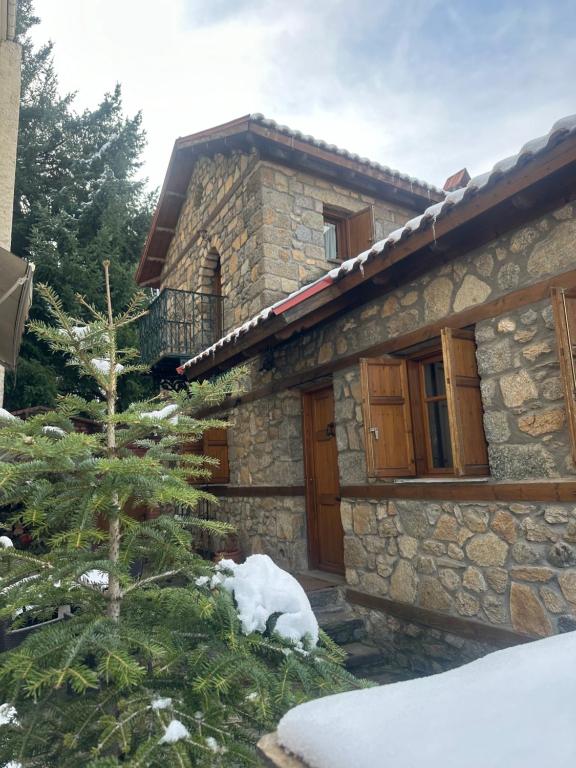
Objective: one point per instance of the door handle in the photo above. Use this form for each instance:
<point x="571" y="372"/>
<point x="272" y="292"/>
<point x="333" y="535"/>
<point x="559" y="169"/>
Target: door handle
<point x="375" y="433"/>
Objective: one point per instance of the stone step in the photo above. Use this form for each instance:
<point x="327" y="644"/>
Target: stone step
<point x="326" y="599"/>
<point x="341" y="626"/>
<point x="370" y="663"/>
<point x="361" y="655"/>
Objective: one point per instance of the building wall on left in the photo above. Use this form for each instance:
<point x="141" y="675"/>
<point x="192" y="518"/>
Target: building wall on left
<point x="10" y="61"/>
<point x="10" y="64"/>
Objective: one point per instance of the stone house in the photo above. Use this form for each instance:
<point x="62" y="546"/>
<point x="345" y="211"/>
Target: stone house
<point x="409" y="416"/>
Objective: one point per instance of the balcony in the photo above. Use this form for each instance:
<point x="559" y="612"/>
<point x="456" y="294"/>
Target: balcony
<point x="179" y="324"/>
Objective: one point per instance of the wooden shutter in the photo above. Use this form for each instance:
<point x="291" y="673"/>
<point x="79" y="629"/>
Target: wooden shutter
<point x="387" y="418"/>
<point x="469" y="451"/>
<point x="564" y="307"/>
<point x="214" y="443"/>
<point x="360" y="228"/>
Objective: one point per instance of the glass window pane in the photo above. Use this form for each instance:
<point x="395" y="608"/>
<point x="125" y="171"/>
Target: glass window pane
<point x="330" y="242"/>
<point x="439" y="435"/>
<point x="434" y="378"/>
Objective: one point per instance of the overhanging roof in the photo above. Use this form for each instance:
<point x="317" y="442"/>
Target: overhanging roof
<point x="511" y="181"/>
<point x="15" y="299"/>
<point x="275" y="142"/>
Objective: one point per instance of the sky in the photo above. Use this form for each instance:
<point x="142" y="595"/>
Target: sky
<point x="423" y="86"/>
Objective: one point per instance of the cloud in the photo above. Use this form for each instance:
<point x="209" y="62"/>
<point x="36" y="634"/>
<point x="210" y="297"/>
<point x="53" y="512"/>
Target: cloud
<point x="421" y="85"/>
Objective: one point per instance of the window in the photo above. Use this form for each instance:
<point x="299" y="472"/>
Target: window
<point x="423" y="414"/>
<point x="345" y="234"/>
<point x="564" y="308"/>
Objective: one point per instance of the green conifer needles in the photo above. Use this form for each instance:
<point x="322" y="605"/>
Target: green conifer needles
<point x="127" y="661"/>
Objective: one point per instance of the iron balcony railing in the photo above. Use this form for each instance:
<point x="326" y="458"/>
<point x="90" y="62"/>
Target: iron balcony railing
<point x="179" y="324"/>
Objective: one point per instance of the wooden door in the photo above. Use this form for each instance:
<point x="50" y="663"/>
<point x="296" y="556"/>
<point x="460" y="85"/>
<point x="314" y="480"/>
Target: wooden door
<point x="325" y="533"/>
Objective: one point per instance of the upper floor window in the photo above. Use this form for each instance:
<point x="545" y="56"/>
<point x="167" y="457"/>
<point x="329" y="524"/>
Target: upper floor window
<point x="423" y="414"/>
<point x="347" y="234"/>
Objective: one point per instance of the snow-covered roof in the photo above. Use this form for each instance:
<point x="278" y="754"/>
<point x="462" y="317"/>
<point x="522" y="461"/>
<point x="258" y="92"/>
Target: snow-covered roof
<point x="561" y="130"/>
<point x="259" y="118"/>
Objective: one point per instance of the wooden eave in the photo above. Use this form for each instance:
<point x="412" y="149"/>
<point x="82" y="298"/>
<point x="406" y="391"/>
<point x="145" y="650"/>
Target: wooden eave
<point x="272" y="144"/>
<point x="538" y="185"/>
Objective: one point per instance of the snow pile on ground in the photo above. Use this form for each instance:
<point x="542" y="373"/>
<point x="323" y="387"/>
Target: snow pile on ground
<point x="261" y="589"/>
<point x="175" y="731"/>
<point x="512" y="709"/>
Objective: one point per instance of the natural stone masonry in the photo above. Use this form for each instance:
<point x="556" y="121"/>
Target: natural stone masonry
<point x="265" y="223"/>
<point x="507" y="565"/>
<point x="217" y="221"/>
<point x="273" y="526"/>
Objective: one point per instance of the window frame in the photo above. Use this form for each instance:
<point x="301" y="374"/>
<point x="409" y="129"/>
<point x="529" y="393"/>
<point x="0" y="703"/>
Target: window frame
<point x="350" y="226"/>
<point x="419" y="400"/>
<point x="457" y="350"/>
<point x="339" y="220"/>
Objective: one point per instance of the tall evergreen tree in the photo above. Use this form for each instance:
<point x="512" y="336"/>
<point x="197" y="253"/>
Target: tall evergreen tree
<point x="77" y="196"/>
<point x="154" y="665"/>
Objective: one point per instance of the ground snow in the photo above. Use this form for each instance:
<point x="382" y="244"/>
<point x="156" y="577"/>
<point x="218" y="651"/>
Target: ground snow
<point x="261" y="589"/>
<point x="512" y="709"/>
<point x="175" y="731"/>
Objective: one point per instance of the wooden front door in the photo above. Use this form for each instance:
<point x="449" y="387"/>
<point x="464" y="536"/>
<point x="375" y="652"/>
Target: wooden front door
<point x="325" y="534"/>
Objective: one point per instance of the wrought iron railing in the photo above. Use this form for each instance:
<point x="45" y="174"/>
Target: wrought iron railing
<point x="179" y="324"/>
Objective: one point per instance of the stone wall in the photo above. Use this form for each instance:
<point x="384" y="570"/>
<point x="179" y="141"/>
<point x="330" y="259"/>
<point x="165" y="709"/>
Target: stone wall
<point x="265" y="441"/>
<point x="222" y="214"/>
<point x="274" y="525"/>
<point x="516" y="352"/>
<point x="292" y="234"/>
<point x="265" y="222"/>
<point x="509" y="565"/>
<point x="265" y="448"/>
<point x="414" y="649"/>
<point x="522" y="394"/>
<point x="515" y="260"/>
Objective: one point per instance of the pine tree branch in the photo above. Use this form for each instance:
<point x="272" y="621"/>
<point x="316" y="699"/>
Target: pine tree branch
<point x="151" y="579"/>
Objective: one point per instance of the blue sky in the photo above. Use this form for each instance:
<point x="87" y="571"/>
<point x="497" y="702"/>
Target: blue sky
<point x="423" y="86"/>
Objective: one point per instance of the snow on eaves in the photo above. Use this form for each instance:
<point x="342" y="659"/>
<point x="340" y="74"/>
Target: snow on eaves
<point x="560" y="131"/>
<point x="273" y="125"/>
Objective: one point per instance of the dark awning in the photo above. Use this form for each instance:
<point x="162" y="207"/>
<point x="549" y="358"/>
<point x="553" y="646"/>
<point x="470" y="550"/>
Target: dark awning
<point x="15" y="299"/>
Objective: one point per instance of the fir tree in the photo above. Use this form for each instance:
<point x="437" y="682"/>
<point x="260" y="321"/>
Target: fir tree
<point x="151" y="667"/>
<point x="77" y="195"/>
